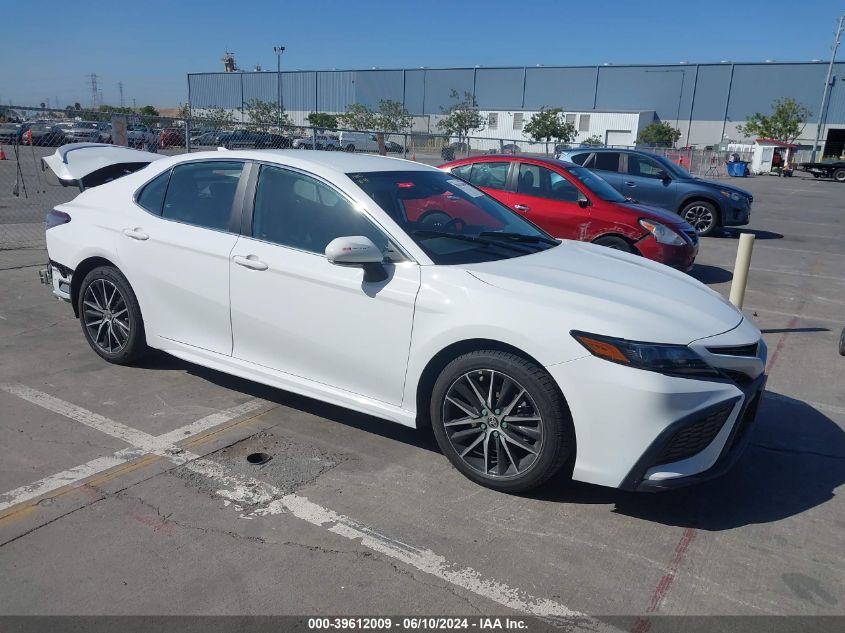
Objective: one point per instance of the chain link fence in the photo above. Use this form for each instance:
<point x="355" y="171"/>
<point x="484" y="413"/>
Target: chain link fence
<point x="25" y="196"/>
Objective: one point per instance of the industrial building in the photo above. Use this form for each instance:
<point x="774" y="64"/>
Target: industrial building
<point x="705" y="102"/>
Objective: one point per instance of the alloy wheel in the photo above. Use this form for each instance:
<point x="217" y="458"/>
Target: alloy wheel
<point x="700" y="217"/>
<point x="106" y="316"/>
<point x="493" y="423"/>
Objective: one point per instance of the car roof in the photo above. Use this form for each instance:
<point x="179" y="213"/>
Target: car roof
<point x="314" y="160"/>
<point x="498" y="158"/>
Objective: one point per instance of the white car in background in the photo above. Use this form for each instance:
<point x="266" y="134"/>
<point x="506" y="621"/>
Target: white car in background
<point x="394" y="289"/>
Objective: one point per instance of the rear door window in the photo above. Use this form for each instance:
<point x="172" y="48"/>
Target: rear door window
<point x="152" y="195"/>
<point x="203" y="193"/>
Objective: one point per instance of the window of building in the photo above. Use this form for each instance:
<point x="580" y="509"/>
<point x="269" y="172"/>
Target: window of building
<point x="584" y="123"/>
<point x="518" y="118"/>
<point x="202" y="193"/>
<point x="295" y="210"/>
<point x="493" y="120"/>
<point x="570" y="119"/>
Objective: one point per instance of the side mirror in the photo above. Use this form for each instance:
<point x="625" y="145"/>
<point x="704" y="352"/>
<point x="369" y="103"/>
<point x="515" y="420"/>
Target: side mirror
<point x="583" y="201"/>
<point x="664" y="176"/>
<point x="358" y="250"/>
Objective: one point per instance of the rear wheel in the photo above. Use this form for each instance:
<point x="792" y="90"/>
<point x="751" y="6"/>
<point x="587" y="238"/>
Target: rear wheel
<point x="501" y="420"/>
<point x="702" y="216"/>
<point x="614" y="242"/>
<point x="839" y="175"/>
<point x="111" y="317"/>
<point x="350" y="148"/>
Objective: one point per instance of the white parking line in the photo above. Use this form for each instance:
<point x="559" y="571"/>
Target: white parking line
<point x="271" y="501"/>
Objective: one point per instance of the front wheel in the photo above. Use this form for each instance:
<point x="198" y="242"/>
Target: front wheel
<point x="350" y="148"/>
<point x="702" y="216"/>
<point x="501" y="420"/>
<point x="614" y="242"/>
<point x="111" y="317"/>
<point x="839" y="175"/>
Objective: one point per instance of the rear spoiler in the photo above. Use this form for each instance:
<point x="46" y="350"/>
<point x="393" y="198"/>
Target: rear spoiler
<point x="87" y="165"/>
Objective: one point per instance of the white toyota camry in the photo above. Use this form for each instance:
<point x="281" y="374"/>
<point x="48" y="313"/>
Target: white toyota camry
<point x="395" y="289"/>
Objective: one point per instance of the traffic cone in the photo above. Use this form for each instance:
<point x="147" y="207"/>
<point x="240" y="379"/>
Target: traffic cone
<point x="2" y="154"/>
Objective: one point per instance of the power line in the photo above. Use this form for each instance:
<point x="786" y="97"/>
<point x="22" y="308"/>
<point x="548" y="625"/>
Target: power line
<point x="120" y="88"/>
<point x="94" y="92"/>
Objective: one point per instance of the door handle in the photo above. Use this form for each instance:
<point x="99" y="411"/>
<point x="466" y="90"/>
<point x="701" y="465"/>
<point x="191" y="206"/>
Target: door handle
<point x="136" y="234"/>
<point x="250" y="261"/>
<point x="520" y="207"/>
<point x="630" y="183"/>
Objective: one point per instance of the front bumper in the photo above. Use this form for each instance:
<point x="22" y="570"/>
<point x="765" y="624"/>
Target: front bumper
<point x="736" y="212"/>
<point x="642" y="430"/>
<point x="679" y="257"/>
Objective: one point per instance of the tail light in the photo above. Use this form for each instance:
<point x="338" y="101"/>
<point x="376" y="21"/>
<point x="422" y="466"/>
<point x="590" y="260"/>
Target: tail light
<point x="56" y="217"/>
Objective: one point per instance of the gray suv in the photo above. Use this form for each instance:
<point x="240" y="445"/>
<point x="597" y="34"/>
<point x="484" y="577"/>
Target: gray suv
<point x="654" y="180"/>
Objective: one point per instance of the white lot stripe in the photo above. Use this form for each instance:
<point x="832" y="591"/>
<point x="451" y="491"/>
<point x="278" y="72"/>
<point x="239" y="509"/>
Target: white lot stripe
<point x="86" y="417"/>
<point x="249" y="491"/>
<point x="215" y="419"/>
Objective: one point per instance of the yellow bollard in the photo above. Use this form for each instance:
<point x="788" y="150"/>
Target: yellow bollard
<point x="743" y="263"/>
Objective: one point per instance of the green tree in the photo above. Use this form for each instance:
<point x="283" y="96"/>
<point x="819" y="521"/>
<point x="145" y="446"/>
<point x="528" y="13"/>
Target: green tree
<point x="265" y="113"/>
<point x="659" y="133"/>
<point x="549" y="125"/>
<point x="148" y="110"/>
<point x="184" y="112"/>
<point x="786" y="122"/>
<point x="322" y="120"/>
<point x="77" y="106"/>
<point x="358" y="116"/>
<point x="214" y="116"/>
<point x="593" y="141"/>
<point x="462" y="117"/>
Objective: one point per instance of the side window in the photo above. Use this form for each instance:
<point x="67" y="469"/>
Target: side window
<point x="295" y="210"/>
<point x="562" y="189"/>
<point x="606" y="161"/>
<point x="530" y="180"/>
<point x="202" y="193"/>
<point x="152" y="195"/>
<point x="490" y="175"/>
<point x="462" y="172"/>
<point x="645" y="167"/>
<point x="579" y="159"/>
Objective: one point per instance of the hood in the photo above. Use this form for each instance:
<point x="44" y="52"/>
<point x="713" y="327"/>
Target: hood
<point x="722" y="186"/>
<point x="605" y="291"/>
<point x="653" y="213"/>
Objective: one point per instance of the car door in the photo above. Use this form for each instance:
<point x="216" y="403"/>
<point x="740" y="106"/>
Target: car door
<point x="609" y="166"/>
<point x="176" y="251"/>
<point x="646" y="181"/>
<point x="550" y="201"/>
<point x="295" y="312"/>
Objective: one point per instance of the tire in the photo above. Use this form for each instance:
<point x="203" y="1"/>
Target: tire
<point x="842" y="343"/>
<point x="106" y="292"/>
<point x="614" y="242"/>
<point x="839" y="175"/>
<point x="512" y="468"/>
<point x="703" y="216"/>
<point x="350" y="148"/>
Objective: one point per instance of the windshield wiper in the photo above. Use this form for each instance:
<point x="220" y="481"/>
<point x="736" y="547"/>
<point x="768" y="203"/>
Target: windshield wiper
<point x="467" y="238"/>
<point x="519" y="237"/>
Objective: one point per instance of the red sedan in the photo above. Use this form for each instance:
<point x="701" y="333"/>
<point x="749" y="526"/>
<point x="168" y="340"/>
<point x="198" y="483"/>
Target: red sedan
<point x="571" y="202"/>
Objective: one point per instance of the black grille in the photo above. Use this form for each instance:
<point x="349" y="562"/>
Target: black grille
<point x="740" y="378"/>
<point x="694" y="437"/>
<point x="736" y="350"/>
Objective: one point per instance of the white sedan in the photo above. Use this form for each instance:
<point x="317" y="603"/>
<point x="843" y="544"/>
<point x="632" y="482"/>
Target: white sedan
<point x="392" y="288"/>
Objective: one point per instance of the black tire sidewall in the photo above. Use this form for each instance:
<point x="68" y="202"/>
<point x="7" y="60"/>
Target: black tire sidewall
<point x="839" y="175"/>
<point x="713" y="211"/>
<point x="137" y="344"/>
<point x="558" y="433"/>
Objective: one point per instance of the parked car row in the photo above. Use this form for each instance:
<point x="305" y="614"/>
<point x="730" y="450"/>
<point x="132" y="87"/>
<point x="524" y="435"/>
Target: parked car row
<point x="425" y="297"/>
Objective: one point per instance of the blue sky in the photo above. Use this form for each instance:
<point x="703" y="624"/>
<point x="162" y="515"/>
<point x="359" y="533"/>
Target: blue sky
<point x="151" y="45"/>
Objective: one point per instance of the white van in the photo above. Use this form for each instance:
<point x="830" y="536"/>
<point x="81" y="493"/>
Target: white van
<point x="358" y="141"/>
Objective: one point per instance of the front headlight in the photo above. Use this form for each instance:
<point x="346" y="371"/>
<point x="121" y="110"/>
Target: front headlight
<point x="677" y="360"/>
<point x="733" y="195"/>
<point x="663" y="234"/>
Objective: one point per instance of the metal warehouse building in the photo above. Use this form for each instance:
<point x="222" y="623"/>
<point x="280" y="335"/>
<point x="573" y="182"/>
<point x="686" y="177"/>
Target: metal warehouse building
<point x="704" y="101"/>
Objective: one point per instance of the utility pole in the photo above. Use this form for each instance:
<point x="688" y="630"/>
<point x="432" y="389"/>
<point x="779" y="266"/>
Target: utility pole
<point x="828" y="80"/>
<point x="279" y="50"/>
<point x="94" y="91"/>
<point x="120" y="89"/>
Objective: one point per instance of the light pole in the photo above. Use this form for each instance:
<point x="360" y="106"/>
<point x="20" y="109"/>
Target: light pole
<point x="821" y="121"/>
<point x="680" y="94"/>
<point x="279" y="50"/>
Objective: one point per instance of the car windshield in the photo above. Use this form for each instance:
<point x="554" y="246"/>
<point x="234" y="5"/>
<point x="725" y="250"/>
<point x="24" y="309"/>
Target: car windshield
<point x="452" y="221"/>
<point x="9" y="126"/>
<point x="597" y="184"/>
<point x="87" y="126"/>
